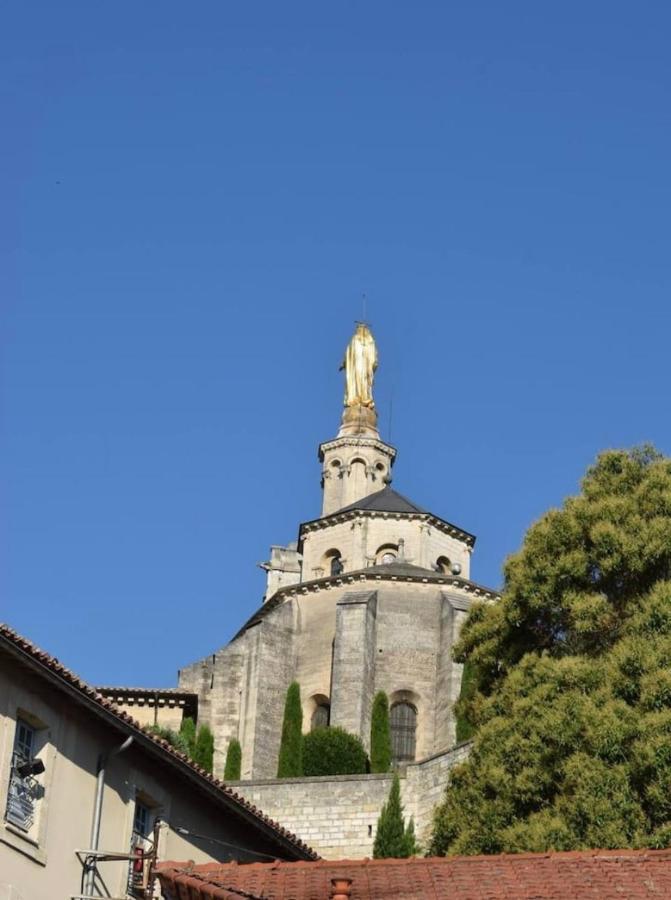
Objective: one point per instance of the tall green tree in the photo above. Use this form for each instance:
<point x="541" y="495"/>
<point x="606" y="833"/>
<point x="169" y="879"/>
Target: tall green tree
<point x="393" y="838"/>
<point x="233" y="766"/>
<point x="187" y="735"/>
<point x="572" y="707"/>
<point x="380" y="734"/>
<point x="203" y="753"/>
<point x="290" y="764"/>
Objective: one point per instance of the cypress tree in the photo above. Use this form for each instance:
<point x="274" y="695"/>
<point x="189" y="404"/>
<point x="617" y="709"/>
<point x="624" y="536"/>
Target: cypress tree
<point x="187" y="736"/>
<point x="380" y="734"/>
<point x="392" y="838"/>
<point x="203" y="753"/>
<point x="290" y="763"/>
<point x="233" y="761"/>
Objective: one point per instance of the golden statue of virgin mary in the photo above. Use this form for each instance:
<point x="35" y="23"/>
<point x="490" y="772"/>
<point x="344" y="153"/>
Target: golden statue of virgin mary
<point x="360" y="364"/>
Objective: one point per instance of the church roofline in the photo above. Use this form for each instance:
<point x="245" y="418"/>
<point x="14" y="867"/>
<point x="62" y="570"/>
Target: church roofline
<point x="355" y="440"/>
<point x="397" y="572"/>
<point x="348" y="514"/>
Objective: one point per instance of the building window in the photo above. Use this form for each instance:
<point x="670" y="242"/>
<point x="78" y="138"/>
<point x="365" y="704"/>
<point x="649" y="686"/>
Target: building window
<point x="332" y="562"/>
<point x="141" y="820"/>
<point x="141" y="849"/>
<point x="24" y="789"/>
<point x="386" y="554"/>
<point x="321" y="716"/>
<point x="443" y="565"/>
<point x="403" y="722"/>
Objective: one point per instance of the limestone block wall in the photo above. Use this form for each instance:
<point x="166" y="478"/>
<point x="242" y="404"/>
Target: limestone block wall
<point x="406" y="655"/>
<point x="354" y="662"/>
<point x="353" y="467"/>
<point x="241" y="690"/>
<point x="425" y="785"/>
<point x="337" y="815"/>
<point x="360" y="539"/>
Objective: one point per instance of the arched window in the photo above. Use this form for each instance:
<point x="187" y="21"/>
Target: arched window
<point x="321" y="715"/>
<point x="443" y="565"/>
<point x="386" y="554"/>
<point x="403" y="722"/>
<point x="332" y="562"/>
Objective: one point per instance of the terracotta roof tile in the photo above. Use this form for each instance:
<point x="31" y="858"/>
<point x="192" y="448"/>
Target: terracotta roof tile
<point x="589" y="875"/>
<point x="88" y="693"/>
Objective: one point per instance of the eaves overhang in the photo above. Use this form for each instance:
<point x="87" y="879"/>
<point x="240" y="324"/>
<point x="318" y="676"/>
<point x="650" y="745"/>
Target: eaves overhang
<point x="64" y="680"/>
<point x="351" y="514"/>
<point x="360" y="577"/>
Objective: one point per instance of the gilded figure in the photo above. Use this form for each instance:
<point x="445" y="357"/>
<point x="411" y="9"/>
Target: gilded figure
<point x="360" y="364"/>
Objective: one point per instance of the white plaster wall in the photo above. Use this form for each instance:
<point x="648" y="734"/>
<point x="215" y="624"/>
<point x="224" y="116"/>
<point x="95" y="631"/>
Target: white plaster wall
<point x="42" y="865"/>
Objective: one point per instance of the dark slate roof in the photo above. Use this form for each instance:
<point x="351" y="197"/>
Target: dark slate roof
<point x="386" y="500"/>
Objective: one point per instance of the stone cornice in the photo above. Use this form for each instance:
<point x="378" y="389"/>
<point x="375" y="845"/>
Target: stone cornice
<point x="348" y="440"/>
<point x="361" y="577"/>
<point x="337" y="517"/>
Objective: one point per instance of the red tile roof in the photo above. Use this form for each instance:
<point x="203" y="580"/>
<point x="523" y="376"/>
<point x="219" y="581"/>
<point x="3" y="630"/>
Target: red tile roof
<point x="91" y="697"/>
<point x="589" y="875"/>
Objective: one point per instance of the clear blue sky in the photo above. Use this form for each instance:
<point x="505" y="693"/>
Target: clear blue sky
<point x="194" y="196"/>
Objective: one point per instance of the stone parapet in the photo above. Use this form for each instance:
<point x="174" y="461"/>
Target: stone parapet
<point x="337" y="815"/>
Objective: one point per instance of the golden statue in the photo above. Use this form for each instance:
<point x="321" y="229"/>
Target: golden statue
<point x="360" y="364"/>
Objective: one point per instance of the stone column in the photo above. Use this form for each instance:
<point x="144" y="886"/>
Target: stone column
<point x="454" y="608"/>
<point x="354" y="663"/>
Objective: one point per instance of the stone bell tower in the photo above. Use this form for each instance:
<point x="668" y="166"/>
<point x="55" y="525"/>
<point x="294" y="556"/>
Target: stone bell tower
<point x="357" y="462"/>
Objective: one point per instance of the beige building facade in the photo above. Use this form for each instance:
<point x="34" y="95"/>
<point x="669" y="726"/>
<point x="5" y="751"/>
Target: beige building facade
<point x="371" y="596"/>
<point x="69" y="759"/>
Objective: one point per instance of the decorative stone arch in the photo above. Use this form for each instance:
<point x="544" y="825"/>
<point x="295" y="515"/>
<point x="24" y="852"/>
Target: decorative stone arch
<point x="383" y="552"/>
<point x="319" y="711"/>
<point x="332" y="562"/>
<point x="404" y="721"/>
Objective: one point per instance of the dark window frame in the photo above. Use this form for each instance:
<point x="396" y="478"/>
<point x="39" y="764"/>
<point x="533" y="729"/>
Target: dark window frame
<point x="403" y="726"/>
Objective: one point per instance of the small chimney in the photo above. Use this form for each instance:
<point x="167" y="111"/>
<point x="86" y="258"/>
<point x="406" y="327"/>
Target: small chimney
<point x="341" y="888"/>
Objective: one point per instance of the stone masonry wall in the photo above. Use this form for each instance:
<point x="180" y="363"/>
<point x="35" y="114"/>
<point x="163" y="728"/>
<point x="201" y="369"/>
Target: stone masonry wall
<point x="337" y="815"/>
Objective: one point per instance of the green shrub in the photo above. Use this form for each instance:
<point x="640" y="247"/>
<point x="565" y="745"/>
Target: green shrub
<point x="393" y="838"/>
<point x="333" y="751"/>
<point x="380" y="734"/>
<point x="290" y="764"/>
<point x="233" y="761"/>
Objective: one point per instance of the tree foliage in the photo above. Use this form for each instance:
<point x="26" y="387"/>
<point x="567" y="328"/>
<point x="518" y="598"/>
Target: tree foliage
<point x="469" y="681"/>
<point x="183" y="740"/>
<point x="290" y="764"/>
<point x="380" y="734"/>
<point x="233" y="766"/>
<point x="572" y="706"/>
<point x="187" y="734"/>
<point x="333" y="751"/>
<point x="203" y="752"/>
<point x="393" y="838"/>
